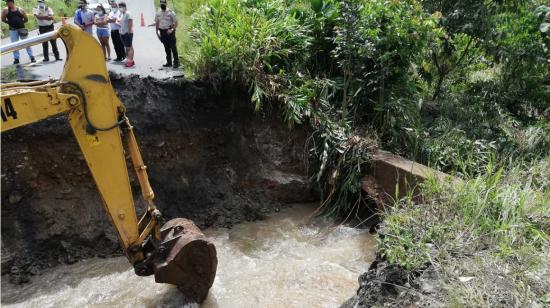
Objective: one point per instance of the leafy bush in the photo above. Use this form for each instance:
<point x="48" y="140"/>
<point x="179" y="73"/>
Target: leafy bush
<point x="255" y="44"/>
<point x="447" y="84"/>
<point x="330" y="63"/>
<point x="460" y="85"/>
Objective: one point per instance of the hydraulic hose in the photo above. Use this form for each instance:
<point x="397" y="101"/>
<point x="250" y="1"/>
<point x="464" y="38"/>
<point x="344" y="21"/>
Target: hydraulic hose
<point x="91" y="128"/>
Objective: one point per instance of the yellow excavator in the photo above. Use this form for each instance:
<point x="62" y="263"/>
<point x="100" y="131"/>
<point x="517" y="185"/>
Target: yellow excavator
<point x="177" y="253"/>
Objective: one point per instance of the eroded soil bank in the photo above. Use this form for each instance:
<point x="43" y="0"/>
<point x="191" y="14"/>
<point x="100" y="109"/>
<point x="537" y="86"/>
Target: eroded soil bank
<point x="210" y="158"/>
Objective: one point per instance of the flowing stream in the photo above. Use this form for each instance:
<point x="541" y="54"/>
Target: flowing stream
<point x="283" y="261"/>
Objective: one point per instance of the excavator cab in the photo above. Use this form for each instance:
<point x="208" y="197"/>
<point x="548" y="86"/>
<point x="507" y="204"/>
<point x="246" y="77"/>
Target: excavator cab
<point x="177" y="252"/>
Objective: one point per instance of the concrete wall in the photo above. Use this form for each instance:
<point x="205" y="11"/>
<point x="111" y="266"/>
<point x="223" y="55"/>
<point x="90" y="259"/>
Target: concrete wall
<point x="392" y="176"/>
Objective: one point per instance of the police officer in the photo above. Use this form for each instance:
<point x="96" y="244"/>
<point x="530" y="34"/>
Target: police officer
<point x="166" y="23"/>
<point x="44" y="18"/>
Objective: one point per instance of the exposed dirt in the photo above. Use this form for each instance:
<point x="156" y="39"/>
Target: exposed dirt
<point x="389" y="285"/>
<point x="210" y="159"/>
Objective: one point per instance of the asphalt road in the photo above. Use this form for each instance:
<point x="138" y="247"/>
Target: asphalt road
<point x="149" y="52"/>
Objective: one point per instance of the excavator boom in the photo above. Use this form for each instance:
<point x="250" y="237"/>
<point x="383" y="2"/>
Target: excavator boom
<point x="177" y="253"/>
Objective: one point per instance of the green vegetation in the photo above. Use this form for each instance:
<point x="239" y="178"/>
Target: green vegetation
<point x="493" y="227"/>
<point x="462" y="86"/>
<point x="449" y="91"/>
<point x="8" y="74"/>
<point x="60" y="8"/>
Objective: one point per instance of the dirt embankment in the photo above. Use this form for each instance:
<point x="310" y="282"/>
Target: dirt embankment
<point x="210" y="158"/>
<point x="390" y="285"/>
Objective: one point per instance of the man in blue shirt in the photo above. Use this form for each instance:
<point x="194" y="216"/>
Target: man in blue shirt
<point x="84" y="18"/>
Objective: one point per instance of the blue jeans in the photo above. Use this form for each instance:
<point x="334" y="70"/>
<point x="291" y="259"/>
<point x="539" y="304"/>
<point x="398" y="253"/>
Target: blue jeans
<point x="14" y="37"/>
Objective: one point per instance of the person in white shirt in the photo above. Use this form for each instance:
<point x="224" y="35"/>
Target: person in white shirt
<point x="115" y="34"/>
<point x="126" y="22"/>
<point x="166" y="23"/>
<point x="44" y="18"/>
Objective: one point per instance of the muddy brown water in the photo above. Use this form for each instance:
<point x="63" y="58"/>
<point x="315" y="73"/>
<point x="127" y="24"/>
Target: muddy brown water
<point x="286" y="260"/>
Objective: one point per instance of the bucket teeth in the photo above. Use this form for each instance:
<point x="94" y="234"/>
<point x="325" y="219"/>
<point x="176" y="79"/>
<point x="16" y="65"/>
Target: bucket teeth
<point x="186" y="259"/>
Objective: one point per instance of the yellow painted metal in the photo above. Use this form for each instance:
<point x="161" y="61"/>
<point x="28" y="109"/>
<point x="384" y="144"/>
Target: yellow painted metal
<point x="103" y="150"/>
<point x="24" y="106"/>
<point x="139" y="165"/>
<point x="146" y="189"/>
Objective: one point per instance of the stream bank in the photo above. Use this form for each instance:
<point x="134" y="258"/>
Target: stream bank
<point x="210" y="158"/>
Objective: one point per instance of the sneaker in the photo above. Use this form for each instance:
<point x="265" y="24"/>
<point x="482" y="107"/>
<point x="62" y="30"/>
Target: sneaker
<point x="176" y="65"/>
<point x="46" y="60"/>
<point x="118" y="60"/>
<point x="33" y="60"/>
<point x="167" y="65"/>
<point x="15" y="61"/>
<point x="130" y="63"/>
<point x="58" y="59"/>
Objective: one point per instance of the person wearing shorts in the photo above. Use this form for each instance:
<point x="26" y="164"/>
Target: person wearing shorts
<point x="101" y="20"/>
<point x="126" y="23"/>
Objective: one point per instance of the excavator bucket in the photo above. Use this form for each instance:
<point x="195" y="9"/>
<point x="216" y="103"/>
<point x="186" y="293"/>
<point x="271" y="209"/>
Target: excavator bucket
<point x="189" y="260"/>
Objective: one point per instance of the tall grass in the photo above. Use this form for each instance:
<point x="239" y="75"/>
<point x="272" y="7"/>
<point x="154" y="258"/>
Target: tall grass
<point x="500" y="218"/>
<point x="257" y="45"/>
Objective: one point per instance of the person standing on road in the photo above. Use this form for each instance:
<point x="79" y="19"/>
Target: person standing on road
<point x="16" y="18"/>
<point x="126" y="23"/>
<point x="84" y="18"/>
<point x="166" y="23"/>
<point x="115" y="34"/>
<point x="44" y="18"/>
<point x="101" y="21"/>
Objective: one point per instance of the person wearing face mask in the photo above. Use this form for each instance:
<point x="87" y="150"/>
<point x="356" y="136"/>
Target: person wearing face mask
<point x="126" y="22"/>
<point x="16" y="18"/>
<point x="166" y="23"/>
<point x="44" y="18"/>
<point x="84" y="18"/>
<point x="101" y="22"/>
<point x="115" y="34"/>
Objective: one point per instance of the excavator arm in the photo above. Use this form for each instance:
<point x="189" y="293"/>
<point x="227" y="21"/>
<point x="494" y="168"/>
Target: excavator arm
<point x="178" y="253"/>
<point x="101" y="145"/>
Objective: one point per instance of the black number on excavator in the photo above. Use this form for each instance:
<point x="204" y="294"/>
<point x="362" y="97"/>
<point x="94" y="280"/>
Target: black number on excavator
<point x="9" y="110"/>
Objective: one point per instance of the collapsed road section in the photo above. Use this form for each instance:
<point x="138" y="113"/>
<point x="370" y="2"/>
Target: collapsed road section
<point x="210" y="159"/>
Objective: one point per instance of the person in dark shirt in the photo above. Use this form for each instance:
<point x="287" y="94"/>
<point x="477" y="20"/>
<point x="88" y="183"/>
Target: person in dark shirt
<point x="16" y="18"/>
